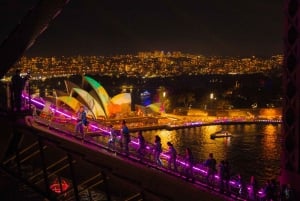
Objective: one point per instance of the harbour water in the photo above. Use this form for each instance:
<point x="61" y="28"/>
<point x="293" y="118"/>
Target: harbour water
<point x="254" y="149"/>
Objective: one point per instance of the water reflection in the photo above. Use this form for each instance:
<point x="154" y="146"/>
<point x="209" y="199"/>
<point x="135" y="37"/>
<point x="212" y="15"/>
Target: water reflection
<point x="253" y="150"/>
<point x="269" y="142"/>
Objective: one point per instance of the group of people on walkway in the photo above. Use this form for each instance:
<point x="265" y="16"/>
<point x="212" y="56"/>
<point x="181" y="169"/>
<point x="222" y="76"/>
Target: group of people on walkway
<point x="81" y="121"/>
<point x="222" y="169"/>
<point x="124" y="139"/>
<point x="171" y="154"/>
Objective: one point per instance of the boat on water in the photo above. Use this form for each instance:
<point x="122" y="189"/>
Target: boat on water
<point x="220" y="134"/>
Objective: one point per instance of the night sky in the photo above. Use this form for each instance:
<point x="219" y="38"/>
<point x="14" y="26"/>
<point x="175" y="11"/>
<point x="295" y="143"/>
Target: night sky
<point x="110" y="27"/>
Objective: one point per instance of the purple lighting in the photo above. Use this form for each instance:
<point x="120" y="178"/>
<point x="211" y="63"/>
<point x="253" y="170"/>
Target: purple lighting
<point x="96" y="126"/>
<point x="197" y="169"/>
<point x="62" y="113"/>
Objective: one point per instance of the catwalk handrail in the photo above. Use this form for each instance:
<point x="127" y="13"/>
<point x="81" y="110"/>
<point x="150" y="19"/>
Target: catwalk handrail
<point x="99" y="136"/>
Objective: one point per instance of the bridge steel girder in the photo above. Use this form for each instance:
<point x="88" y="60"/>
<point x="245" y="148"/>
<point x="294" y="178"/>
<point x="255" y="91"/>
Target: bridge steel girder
<point x="290" y="161"/>
<point x="25" y="34"/>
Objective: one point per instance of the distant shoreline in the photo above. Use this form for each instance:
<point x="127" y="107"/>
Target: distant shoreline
<point x="175" y="127"/>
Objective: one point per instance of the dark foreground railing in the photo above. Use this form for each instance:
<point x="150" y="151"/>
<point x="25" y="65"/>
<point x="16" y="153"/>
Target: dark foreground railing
<point x="61" y="166"/>
<point x="99" y="137"/>
<point x="56" y="181"/>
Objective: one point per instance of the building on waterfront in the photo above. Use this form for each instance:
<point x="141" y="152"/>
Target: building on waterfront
<point x="97" y="101"/>
<point x="95" y="98"/>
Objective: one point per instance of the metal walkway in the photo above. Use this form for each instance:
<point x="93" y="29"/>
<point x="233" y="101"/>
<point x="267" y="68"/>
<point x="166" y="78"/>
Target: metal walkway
<point x="59" y="165"/>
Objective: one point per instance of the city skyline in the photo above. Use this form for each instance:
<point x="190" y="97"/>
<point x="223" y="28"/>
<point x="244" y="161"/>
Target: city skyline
<point x="146" y="64"/>
<point x="229" y="28"/>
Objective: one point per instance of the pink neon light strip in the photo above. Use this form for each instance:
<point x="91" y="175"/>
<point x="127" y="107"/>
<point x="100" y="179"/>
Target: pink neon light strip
<point x="60" y="112"/>
<point x="106" y="131"/>
<point x="132" y="141"/>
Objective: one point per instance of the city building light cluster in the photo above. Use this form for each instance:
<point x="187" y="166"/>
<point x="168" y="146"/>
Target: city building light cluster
<point x="145" y="64"/>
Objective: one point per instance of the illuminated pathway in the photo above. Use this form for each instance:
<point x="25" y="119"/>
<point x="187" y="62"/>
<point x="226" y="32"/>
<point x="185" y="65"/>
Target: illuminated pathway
<point x="98" y="136"/>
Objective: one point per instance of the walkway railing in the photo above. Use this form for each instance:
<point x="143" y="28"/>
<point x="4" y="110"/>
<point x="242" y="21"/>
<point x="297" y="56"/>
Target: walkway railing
<point x="98" y="135"/>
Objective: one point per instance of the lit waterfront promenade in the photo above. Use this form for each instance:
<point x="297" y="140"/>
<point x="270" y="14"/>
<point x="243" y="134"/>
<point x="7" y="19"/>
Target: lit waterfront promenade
<point x="173" y="122"/>
<point x="190" y="124"/>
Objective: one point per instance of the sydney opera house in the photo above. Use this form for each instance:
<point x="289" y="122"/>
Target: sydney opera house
<point x="98" y="103"/>
<point x="92" y="95"/>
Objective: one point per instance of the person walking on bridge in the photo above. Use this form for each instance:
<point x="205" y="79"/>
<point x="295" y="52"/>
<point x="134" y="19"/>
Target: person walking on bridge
<point x="210" y="163"/>
<point x="172" y="156"/>
<point x="125" y="137"/>
<point x="142" y="145"/>
<point x="157" y="150"/>
<point x="81" y="121"/>
<point x="112" y="139"/>
<point x="189" y="159"/>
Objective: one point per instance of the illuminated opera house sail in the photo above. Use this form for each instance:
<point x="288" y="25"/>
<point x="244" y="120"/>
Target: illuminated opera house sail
<point x="95" y="98"/>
